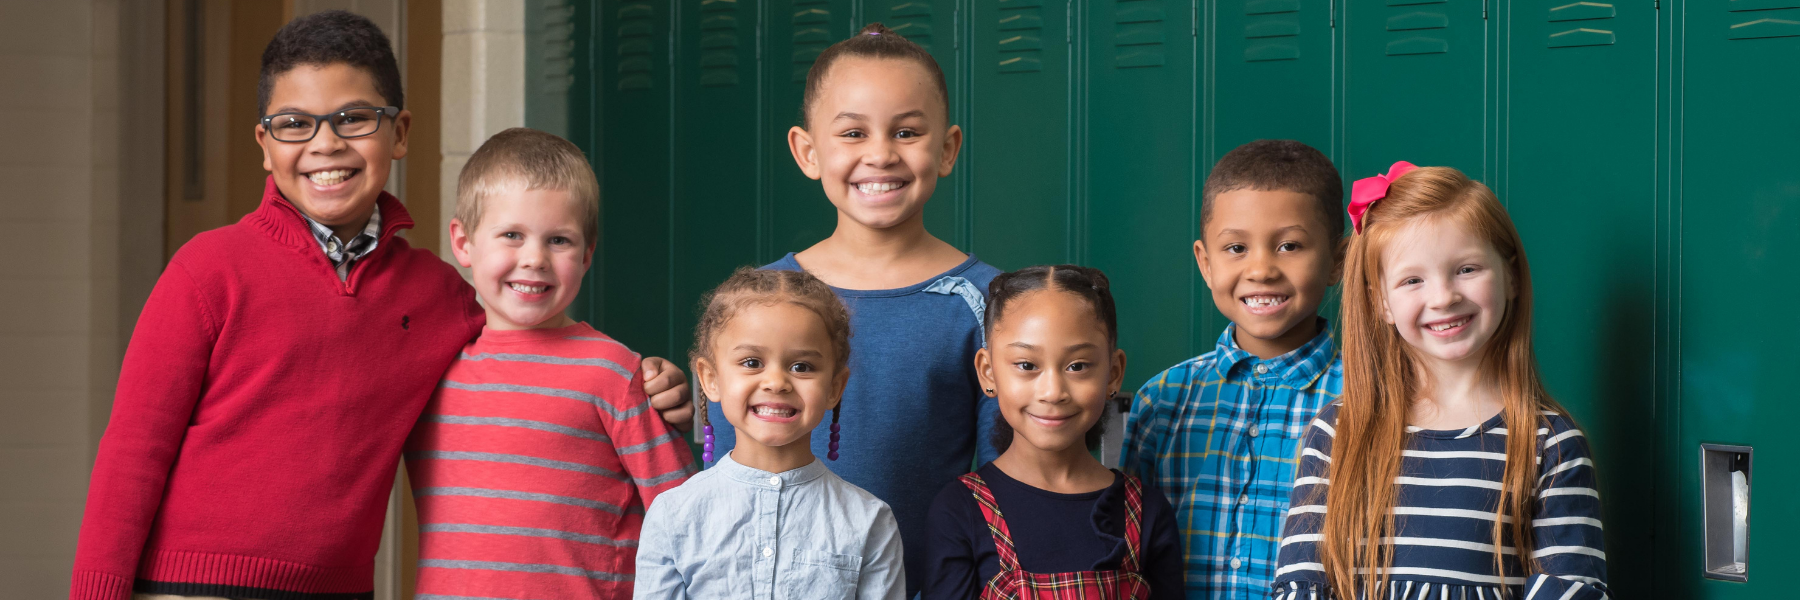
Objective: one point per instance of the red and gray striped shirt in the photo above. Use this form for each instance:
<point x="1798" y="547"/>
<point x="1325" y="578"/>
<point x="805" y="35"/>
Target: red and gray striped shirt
<point x="532" y="467"/>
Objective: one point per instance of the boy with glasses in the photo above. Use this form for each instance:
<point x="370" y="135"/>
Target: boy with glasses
<point x="281" y="362"/>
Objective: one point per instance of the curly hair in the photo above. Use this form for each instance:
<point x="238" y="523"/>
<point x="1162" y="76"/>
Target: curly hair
<point x="326" y="38"/>
<point x="749" y="285"/>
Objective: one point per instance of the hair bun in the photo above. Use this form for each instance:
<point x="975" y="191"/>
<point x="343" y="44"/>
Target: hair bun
<point x="875" y="28"/>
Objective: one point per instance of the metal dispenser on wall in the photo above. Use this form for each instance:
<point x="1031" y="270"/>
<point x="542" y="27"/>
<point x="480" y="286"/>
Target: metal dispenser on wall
<point x="1725" y="481"/>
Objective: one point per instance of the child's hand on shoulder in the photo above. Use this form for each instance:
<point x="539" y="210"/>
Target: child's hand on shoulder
<point x="667" y="388"/>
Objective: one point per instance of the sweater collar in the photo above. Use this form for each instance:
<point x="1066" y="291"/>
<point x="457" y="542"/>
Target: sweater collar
<point x="284" y="222"/>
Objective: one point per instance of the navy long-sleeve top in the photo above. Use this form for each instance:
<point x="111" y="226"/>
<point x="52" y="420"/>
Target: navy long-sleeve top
<point x="1052" y="532"/>
<point x="1443" y="541"/>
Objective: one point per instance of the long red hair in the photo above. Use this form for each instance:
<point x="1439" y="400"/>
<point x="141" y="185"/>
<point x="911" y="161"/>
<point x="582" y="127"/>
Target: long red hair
<point x="1382" y="380"/>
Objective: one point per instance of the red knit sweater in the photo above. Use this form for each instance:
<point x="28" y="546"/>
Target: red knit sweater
<point x="261" y="411"/>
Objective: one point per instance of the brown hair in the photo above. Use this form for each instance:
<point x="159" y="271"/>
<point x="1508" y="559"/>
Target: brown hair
<point x="1381" y="381"/>
<point x="874" y="41"/>
<point x="749" y="285"/>
<point x="1086" y="283"/>
<point x="1267" y="165"/>
<point x="540" y="161"/>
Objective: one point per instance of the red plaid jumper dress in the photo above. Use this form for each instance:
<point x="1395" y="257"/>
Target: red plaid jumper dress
<point x="1013" y="583"/>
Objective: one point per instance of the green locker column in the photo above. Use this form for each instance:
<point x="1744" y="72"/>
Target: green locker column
<point x="932" y="24"/>
<point x="1269" y="74"/>
<point x="717" y="156"/>
<point x="1737" y="186"/>
<point x="559" y="98"/>
<point x="795" y="32"/>
<point x="1578" y="175"/>
<point x="1018" y="147"/>
<point x="1414" y="85"/>
<point x="634" y="103"/>
<point x="1140" y="197"/>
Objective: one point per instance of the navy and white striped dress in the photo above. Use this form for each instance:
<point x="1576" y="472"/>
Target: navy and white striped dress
<point x="1448" y="487"/>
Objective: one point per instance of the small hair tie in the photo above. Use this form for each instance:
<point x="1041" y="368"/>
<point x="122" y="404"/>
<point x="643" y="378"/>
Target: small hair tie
<point x="1369" y="190"/>
<point x="874" y="33"/>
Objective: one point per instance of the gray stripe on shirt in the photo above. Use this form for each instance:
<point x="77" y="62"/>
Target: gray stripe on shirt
<point x="658" y="441"/>
<point x="526" y="532"/>
<point x="597" y="401"/>
<point x="530" y="496"/>
<point x="483" y="565"/>
<point x="522" y="423"/>
<point x="551" y="360"/>
<point x="518" y="459"/>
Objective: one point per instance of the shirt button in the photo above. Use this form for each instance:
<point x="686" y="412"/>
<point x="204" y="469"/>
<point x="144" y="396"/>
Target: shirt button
<point x="1260" y="369"/>
<point x="775" y="481"/>
<point x="331" y="246"/>
<point x="1252" y="433"/>
<point x="768" y="552"/>
<point x="1237" y="564"/>
<point x="1244" y="499"/>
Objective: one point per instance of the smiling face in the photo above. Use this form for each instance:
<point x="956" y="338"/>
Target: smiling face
<point x="1051" y="368"/>
<point x="878" y="139"/>
<point x="1446" y="290"/>
<point x="332" y="180"/>
<point x="1268" y="259"/>
<point x="772" y="370"/>
<point x="527" y="256"/>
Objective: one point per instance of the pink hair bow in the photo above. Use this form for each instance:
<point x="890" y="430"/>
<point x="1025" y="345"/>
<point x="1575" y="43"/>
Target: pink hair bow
<point x="1369" y="190"/>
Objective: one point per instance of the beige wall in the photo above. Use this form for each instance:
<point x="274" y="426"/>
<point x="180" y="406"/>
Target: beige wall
<point x="81" y="205"/>
<point x="484" y="84"/>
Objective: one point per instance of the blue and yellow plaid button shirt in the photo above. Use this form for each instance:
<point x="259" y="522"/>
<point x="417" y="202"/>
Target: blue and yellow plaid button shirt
<point x="1220" y="434"/>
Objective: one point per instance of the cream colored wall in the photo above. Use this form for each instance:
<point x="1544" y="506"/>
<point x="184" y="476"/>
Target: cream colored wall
<point x="81" y="212"/>
<point x="484" y="84"/>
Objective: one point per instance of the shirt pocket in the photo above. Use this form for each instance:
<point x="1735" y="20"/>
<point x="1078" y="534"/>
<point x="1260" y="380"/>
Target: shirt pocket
<point x="813" y="574"/>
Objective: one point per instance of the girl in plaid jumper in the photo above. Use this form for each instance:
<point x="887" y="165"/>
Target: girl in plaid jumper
<point x="1046" y="519"/>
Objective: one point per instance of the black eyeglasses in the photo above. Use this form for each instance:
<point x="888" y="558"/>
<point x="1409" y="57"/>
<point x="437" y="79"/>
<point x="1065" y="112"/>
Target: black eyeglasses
<point x="348" y="123"/>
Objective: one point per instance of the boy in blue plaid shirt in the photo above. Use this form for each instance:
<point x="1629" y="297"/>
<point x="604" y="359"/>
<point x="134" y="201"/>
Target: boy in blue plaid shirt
<point x="1220" y="433"/>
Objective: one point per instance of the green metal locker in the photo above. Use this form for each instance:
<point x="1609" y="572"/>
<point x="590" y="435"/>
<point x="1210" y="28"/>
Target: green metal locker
<point x="1577" y="170"/>
<point x="1415" y="84"/>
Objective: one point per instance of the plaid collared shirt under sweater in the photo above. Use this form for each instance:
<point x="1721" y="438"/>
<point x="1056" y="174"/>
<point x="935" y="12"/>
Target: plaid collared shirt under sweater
<point x="340" y="253"/>
<point x="1220" y="434"/>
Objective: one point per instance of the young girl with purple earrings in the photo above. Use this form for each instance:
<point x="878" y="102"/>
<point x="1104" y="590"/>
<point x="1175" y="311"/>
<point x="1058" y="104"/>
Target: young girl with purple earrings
<point x="1445" y="450"/>
<point x="769" y="520"/>
<point x="1046" y="519"/>
<point x="875" y="132"/>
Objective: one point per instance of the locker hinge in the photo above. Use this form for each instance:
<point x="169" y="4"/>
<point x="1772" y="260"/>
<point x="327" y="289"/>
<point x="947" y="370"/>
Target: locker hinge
<point x="1194" y="13"/>
<point x="1484" y="9"/>
<point x="956" y="27"/>
<point x="1333" y="10"/>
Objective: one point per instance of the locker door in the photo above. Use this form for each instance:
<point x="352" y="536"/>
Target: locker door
<point x="1018" y="142"/>
<point x="1738" y="187"/>
<point x="715" y="209"/>
<point x="796" y="31"/>
<point x="559" y="98"/>
<point x="1414" y="85"/>
<point x="634" y="84"/>
<point x="932" y="24"/>
<point x="1140" y="198"/>
<point x="1578" y="176"/>
<point x="1271" y="68"/>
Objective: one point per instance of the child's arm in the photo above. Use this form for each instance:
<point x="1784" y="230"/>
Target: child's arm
<point x="884" y="567"/>
<point x="1298" y="573"/>
<point x="160" y="382"/>
<point x="950" y="568"/>
<point x="1145" y="427"/>
<point x="1164" y="563"/>
<point x="657" y="576"/>
<point x="1566" y="535"/>
<point x="654" y="456"/>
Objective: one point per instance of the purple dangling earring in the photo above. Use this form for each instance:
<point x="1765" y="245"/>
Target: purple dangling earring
<point x="706" y="443"/>
<point x="833" y="454"/>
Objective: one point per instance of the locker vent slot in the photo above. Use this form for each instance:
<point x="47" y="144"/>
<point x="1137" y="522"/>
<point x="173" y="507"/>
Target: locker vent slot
<point x="1748" y="5"/>
<point x="719" y="43"/>
<point x="811" y="21"/>
<point x="1139" y="39"/>
<point x="1776" y="24"/>
<point x="1021" y="38"/>
<point x="559" y="48"/>
<point x="1582" y="11"/>
<point x="1411" y="29"/>
<point x="636" y="52"/>
<point x="1273" y="31"/>
<point x="913" y="20"/>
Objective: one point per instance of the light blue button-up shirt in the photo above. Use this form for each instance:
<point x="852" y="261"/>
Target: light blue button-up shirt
<point x="737" y="532"/>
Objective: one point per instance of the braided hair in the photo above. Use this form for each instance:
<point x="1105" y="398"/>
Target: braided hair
<point x="1087" y="283"/>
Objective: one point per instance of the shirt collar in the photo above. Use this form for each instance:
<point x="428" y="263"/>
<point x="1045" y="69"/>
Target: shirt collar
<point x="765" y="479"/>
<point x="355" y="249"/>
<point x="1299" y="367"/>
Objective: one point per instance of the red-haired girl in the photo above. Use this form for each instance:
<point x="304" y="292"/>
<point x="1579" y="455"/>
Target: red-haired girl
<point x="1445" y="470"/>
